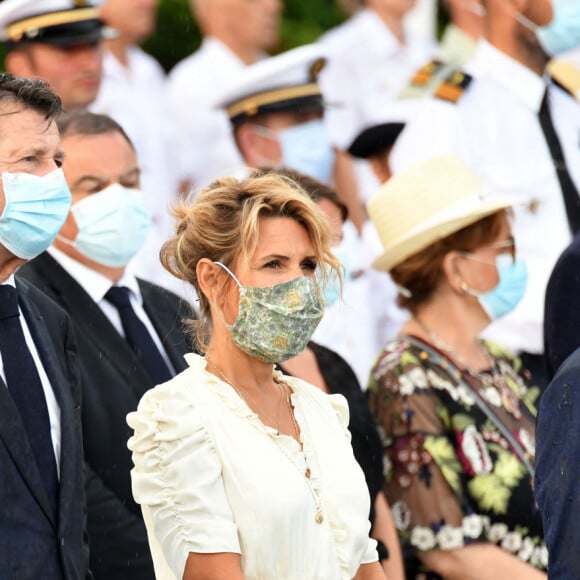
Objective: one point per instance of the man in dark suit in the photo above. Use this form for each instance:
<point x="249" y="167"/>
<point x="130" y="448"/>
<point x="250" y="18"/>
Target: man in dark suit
<point x="42" y="513"/>
<point x="129" y="330"/>
<point x="562" y="309"/>
<point x="558" y="469"/>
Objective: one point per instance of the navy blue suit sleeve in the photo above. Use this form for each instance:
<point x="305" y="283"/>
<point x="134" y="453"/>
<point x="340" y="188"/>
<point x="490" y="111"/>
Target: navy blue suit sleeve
<point x="562" y="308"/>
<point x="558" y="469"/>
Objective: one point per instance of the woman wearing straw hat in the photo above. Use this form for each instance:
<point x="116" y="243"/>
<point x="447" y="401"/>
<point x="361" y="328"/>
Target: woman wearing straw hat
<point x="458" y="412"/>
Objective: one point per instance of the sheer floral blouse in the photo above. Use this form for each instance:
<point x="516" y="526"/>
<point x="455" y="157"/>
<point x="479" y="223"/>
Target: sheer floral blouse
<point x="458" y="453"/>
<point x="211" y="477"/>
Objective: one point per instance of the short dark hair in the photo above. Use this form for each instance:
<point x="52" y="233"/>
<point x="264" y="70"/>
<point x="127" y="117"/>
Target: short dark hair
<point x="80" y="122"/>
<point x="34" y="94"/>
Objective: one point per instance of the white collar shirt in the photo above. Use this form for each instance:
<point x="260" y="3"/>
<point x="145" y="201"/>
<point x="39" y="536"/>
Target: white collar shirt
<point x="494" y="128"/>
<point x="366" y="65"/>
<point x="205" y="148"/>
<point x="51" y="402"/>
<point x="96" y="286"/>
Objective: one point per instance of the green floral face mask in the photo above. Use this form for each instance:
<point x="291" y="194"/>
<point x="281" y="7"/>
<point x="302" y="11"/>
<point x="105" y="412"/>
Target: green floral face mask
<point x="275" y="323"/>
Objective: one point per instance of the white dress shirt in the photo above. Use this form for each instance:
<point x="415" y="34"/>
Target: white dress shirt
<point x="205" y="147"/>
<point x="366" y="65"/>
<point x="51" y="402"/>
<point x="134" y="96"/>
<point x="494" y="128"/>
<point x="96" y="286"/>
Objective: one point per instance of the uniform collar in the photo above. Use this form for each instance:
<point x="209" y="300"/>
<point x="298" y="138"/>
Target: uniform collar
<point x="456" y="46"/>
<point x="519" y="80"/>
<point x="376" y="31"/>
<point x="216" y="48"/>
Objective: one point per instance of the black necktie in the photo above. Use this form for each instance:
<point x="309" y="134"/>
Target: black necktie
<point x="138" y="336"/>
<point x="569" y="191"/>
<point x="26" y="389"/>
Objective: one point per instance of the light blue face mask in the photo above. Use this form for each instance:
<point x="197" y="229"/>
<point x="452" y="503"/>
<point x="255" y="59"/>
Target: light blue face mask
<point x="306" y="148"/>
<point x="332" y="288"/>
<point x="504" y="297"/>
<point x="563" y="33"/>
<point x="113" y="225"/>
<point x="36" y="208"/>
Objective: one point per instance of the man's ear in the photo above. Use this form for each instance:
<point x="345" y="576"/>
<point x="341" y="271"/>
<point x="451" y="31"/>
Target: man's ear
<point x="380" y="165"/>
<point x="247" y="142"/>
<point x="19" y="63"/>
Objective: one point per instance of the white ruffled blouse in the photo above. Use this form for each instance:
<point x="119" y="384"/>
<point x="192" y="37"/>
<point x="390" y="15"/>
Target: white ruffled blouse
<point x="211" y="477"/>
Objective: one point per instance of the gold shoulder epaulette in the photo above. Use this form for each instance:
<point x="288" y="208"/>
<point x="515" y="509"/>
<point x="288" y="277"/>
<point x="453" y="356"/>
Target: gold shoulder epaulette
<point x="426" y="73"/>
<point x="453" y="86"/>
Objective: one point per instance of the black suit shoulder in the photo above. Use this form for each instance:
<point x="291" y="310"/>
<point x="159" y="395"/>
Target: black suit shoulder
<point x="562" y="308"/>
<point x="113" y="381"/>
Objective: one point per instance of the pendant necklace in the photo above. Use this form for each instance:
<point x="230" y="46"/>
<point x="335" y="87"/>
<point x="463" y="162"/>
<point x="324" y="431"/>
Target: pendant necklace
<point x="495" y="379"/>
<point x="248" y="400"/>
<point x="318" y="518"/>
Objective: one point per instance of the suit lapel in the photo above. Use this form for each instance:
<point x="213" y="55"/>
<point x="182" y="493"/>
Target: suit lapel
<point x="167" y="323"/>
<point x="11" y="427"/>
<point x="80" y="306"/>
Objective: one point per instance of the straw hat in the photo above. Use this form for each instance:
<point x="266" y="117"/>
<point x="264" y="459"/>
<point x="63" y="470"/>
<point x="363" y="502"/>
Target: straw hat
<point x="427" y="203"/>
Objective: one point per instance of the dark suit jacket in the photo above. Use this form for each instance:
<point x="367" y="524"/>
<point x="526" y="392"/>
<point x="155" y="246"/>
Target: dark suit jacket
<point x="562" y="308"/>
<point x="35" y="542"/>
<point x="113" y="380"/>
<point x="558" y="469"/>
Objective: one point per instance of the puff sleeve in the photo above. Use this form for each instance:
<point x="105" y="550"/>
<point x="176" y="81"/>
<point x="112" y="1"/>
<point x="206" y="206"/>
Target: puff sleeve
<point x="177" y="479"/>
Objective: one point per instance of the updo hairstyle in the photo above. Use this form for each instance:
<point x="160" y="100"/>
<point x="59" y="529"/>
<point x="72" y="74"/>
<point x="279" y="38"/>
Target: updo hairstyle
<point x="222" y="223"/>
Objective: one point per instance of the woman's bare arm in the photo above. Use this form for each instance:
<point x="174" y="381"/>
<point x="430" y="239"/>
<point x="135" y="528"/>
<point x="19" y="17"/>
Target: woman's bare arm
<point x="385" y="531"/>
<point x="372" y="571"/>
<point x="213" y="567"/>
<point x="479" y="562"/>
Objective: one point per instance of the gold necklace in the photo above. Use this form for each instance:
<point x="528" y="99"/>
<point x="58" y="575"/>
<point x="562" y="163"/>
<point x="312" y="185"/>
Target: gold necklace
<point x="318" y="518"/>
<point x="495" y="378"/>
<point x="247" y="400"/>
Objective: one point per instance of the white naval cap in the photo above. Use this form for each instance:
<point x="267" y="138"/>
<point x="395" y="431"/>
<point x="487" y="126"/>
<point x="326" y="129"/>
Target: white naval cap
<point x="282" y="83"/>
<point x="58" y="22"/>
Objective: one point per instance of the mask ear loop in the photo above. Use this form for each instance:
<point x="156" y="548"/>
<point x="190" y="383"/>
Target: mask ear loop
<point x="240" y="288"/>
<point x="230" y="273"/>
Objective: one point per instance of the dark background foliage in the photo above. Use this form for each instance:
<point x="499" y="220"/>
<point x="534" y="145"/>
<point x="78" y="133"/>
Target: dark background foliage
<point x="177" y="34"/>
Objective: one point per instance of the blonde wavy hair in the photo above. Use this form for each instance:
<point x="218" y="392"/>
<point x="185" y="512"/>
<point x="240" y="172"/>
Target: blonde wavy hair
<point x="222" y="223"/>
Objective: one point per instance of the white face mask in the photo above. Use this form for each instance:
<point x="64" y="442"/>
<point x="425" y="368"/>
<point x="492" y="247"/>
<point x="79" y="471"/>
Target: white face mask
<point x="36" y="208"/>
<point x="305" y="148"/>
<point x="563" y="32"/>
<point x="113" y="225"/>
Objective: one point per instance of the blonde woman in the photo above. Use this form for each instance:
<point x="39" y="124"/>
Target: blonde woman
<point x="242" y="471"/>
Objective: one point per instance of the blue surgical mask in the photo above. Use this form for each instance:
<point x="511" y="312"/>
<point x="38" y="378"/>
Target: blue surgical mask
<point x="36" y="208"/>
<point x="112" y="225"/>
<point x="332" y="287"/>
<point x="510" y="289"/>
<point x="306" y="148"/>
<point x="563" y="32"/>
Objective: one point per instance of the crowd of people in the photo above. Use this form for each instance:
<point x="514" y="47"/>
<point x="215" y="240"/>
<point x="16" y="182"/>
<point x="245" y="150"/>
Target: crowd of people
<point x="303" y="316"/>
